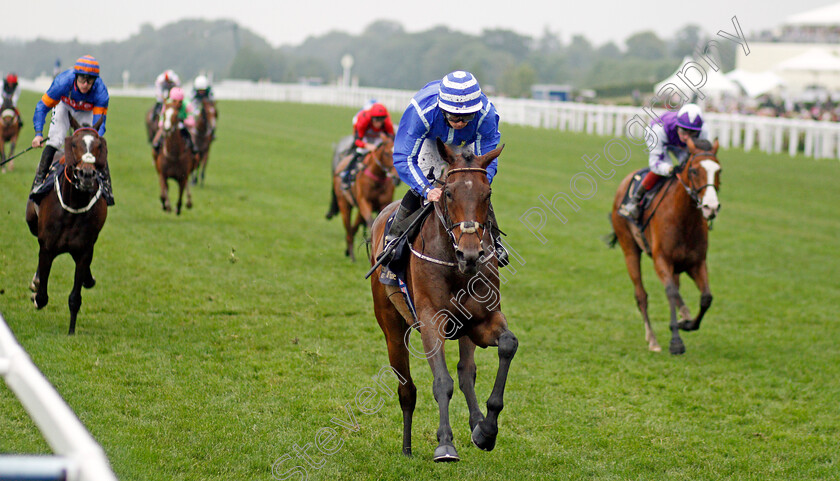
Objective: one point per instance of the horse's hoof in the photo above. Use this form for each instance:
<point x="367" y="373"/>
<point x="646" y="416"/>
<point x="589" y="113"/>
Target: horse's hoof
<point x="407" y="452"/>
<point x="189" y="205"/>
<point x="37" y="304"/>
<point x="677" y="347"/>
<point x="483" y="441"/>
<point x="446" y="454"/>
<point x="654" y="348"/>
<point x="89" y="283"/>
<point x="687" y="325"/>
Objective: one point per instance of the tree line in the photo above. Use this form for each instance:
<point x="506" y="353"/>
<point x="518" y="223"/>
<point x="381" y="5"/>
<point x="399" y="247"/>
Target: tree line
<point x="385" y="55"/>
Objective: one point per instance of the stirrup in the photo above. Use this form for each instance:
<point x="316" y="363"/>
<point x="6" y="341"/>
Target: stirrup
<point x="501" y="253"/>
<point x="630" y="209"/>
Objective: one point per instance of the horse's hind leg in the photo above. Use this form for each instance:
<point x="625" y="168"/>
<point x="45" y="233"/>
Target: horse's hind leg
<point x="466" y="379"/>
<point x="181" y="183"/>
<point x="484" y="433"/>
<point x="189" y="192"/>
<point x="701" y="279"/>
<point x="82" y="274"/>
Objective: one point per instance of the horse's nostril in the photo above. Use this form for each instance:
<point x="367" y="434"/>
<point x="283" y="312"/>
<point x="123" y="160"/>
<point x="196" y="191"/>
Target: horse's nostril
<point x="481" y="254"/>
<point x="459" y="254"/>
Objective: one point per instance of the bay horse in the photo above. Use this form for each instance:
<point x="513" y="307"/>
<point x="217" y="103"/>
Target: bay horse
<point x="175" y="160"/>
<point x="371" y="190"/>
<point x="9" y="131"/>
<point x="675" y="236"/>
<point x="205" y="133"/>
<point x="455" y="289"/>
<point x="70" y="217"/>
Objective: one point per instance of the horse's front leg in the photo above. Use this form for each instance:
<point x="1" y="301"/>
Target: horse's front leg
<point x="494" y="333"/>
<point x="189" y="192"/>
<point x="466" y="379"/>
<point x="181" y="182"/>
<point x="442" y="388"/>
<point x="42" y="278"/>
<point x="164" y="192"/>
<point x="80" y="278"/>
<point x="665" y="271"/>
<point x="701" y="279"/>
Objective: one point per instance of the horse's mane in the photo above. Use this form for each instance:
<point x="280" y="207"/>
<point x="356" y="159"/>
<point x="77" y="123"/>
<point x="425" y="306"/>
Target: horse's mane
<point x="703" y="144"/>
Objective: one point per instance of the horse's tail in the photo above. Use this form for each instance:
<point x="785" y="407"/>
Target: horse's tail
<point x="610" y="239"/>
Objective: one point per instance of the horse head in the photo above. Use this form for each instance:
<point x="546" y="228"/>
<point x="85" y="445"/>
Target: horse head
<point x="701" y="176"/>
<point x="85" y="153"/>
<point x="466" y="203"/>
<point x="383" y="157"/>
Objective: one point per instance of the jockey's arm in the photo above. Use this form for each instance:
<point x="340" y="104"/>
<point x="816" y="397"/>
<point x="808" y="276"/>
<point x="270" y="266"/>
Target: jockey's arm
<point x="659" y="161"/>
<point x="410" y="137"/>
<point x="487" y="139"/>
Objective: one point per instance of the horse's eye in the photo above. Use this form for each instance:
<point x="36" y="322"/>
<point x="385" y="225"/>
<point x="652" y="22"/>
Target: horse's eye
<point x="692" y="171"/>
<point x="448" y="194"/>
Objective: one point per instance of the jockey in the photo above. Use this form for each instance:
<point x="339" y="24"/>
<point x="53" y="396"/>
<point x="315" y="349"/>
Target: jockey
<point x="455" y="110"/>
<point x="176" y="95"/>
<point x="369" y="124"/>
<point x="164" y="82"/>
<point x="80" y="92"/>
<point x="11" y="93"/>
<point x="201" y="91"/>
<point x="672" y="133"/>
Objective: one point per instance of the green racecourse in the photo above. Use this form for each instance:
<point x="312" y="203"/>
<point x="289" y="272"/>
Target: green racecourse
<point x="217" y="341"/>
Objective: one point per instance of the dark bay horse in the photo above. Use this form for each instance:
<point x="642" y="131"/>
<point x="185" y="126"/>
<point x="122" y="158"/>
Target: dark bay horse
<point x="370" y="191"/>
<point x="9" y="130"/>
<point x="151" y="120"/>
<point x="71" y="216"/>
<point x="676" y="237"/>
<point x="205" y="133"/>
<point x="175" y="160"/>
<point x="455" y="288"/>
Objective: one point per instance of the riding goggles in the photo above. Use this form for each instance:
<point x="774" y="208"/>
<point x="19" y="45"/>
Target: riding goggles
<point x="454" y="118"/>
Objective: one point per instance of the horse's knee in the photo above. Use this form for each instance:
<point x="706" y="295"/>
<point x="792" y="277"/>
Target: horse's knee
<point x="508" y="344"/>
<point x="641" y="300"/>
<point x="705" y="300"/>
<point x="408" y="396"/>
<point x="672" y="291"/>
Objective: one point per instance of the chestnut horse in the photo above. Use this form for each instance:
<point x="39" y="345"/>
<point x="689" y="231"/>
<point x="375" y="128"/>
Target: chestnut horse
<point x="175" y="160"/>
<point x="70" y="217"/>
<point x="151" y="124"/>
<point x="455" y="289"/>
<point x="370" y="191"/>
<point x="675" y="236"/>
<point x="9" y="130"/>
<point x="204" y="133"/>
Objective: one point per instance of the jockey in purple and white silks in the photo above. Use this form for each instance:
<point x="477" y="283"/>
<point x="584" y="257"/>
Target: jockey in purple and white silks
<point x="671" y="134"/>
<point x="455" y="110"/>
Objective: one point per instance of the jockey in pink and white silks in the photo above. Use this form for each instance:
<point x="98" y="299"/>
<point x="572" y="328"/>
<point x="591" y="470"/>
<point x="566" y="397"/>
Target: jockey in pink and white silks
<point x="672" y="134"/>
<point x="455" y="110"/>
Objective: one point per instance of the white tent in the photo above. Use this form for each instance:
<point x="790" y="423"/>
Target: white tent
<point x="828" y="16"/>
<point x="815" y="60"/>
<point x="716" y="84"/>
<point x="756" y="83"/>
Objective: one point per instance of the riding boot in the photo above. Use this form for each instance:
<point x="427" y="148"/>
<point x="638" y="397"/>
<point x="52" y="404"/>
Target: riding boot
<point x="347" y="175"/>
<point x="631" y="208"/>
<point x="43" y="166"/>
<point x="333" y="205"/>
<point x="410" y="203"/>
<point x="501" y="252"/>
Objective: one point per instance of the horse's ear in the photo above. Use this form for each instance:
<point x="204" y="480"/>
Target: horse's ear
<point x="715" y="146"/>
<point x="98" y="123"/>
<point x="445" y="152"/>
<point x="69" y="154"/>
<point x="690" y="144"/>
<point x="103" y="150"/>
<point x="485" y="159"/>
<point x="73" y="123"/>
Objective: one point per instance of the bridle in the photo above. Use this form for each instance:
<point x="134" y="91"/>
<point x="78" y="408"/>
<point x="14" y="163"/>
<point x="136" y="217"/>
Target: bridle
<point x="694" y="192"/>
<point x="465" y="227"/>
<point x="388" y="173"/>
<point x="88" y="158"/>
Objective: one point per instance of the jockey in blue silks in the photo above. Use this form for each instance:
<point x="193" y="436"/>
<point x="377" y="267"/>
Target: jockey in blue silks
<point x="455" y="110"/>
<point x="672" y="134"/>
<point x="79" y="92"/>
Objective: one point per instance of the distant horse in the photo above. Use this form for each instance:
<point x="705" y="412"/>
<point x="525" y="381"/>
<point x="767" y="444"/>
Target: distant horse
<point x="371" y="190"/>
<point x="175" y="160"/>
<point x="676" y="237"/>
<point x="151" y="119"/>
<point x="205" y="133"/>
<point x="455" y="289"/>
<point x="71" y="216"/>
<point x="9" y="130"/>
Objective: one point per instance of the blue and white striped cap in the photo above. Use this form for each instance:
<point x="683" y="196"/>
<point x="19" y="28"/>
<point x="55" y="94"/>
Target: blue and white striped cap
<point x="459" y="93"/>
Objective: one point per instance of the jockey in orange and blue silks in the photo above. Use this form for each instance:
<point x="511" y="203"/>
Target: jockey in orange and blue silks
<point x="78" y="92"/>
<point x="672" y="133"/>
<point x="455" y="110"/>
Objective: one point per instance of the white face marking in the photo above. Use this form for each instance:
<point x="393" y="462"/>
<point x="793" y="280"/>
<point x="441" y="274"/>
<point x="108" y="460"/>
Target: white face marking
<point x="88" y="158"/>
<point x="469" y="184"/>
<point x="710" y="198"/>
<point x="167" y="119"/>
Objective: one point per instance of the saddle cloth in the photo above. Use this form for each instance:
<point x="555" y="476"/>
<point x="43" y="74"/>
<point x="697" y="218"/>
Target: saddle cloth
<point x="634" y="186"/>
